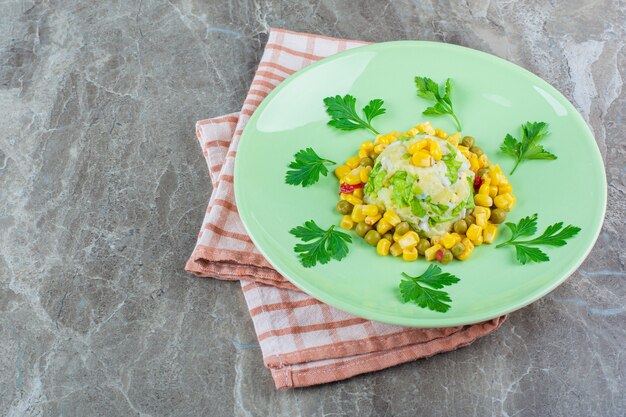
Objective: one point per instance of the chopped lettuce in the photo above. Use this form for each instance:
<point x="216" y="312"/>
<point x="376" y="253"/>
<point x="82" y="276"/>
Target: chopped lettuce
<point x="417" y="208"/>
<point x="375" y="181"/>
<point x="452" y="164"/>
<point x="469" y="204"/>
<point x="402" y="183"/>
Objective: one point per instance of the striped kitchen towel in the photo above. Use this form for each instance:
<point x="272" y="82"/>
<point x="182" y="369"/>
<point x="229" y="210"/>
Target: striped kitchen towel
<point x="304" y="341"/>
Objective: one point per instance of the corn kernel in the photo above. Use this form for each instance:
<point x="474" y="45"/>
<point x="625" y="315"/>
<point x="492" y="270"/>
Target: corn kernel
<point x="483" y="161"/>
<point x="490" y="233"/>
<point x="394" y="134"/>
<point x="383" y="139"/>
<point x="412" y="131"/>
<point x="473" y="231"/>
<point x="347" y="222"/>
<point x="342" y="196"/>
<point x="493" y="191"/>
<point x="504" y="188"/>
<point x="454" y="139"/>
<point x="435" y="240"/>
<point x="409" y="254"/>
<point x="481" y="219"/>
<point x="363" y="154"/>
<point x="435" y="150"/>
<point x="382" y="247"/>
<point x="478" y="241"/>
<point x="358" y="193"/>
<point x="396" y="236"/>
<point x="379" y="148"/>
<point x="426" y="128"/>
<point x="352" y="179"/>
<point x="395" y="249"/>
<point x="448" y="240"/>
<point x="483" y="200"/>
<point x="353" y="162"/>
<point x="392" y="218"/>
<point x="353" y="200"/>
<point x="463" y="148"/>
<point x="421" y="159"/>
<point x="367" y="146"/>
<point x="341" y="171"/>
<point x="420" y="144"/>
<point x="442" y="134"/>
<point x="383" y="226"/>
<point x="504" y="201"/>
<point x="371" y="220"/>
<point x="473" y="159"/>
<point x="496" y="168"/>
<point x="431" y="253"/>
<point x="484" y="189"/>
<point x="469" y="247"/>
<point x="486" y="179"/>
<point x="496" y="178"/>
<point x="357" y="213"/>
<point x="409" y="239"/>
<point x="364" y="174"/>
<point x="481" y="209"/>
<point x="370" y="210"/>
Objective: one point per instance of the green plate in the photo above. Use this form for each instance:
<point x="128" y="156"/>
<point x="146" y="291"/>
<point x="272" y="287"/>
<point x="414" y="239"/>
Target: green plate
<point x="492" y="97"/>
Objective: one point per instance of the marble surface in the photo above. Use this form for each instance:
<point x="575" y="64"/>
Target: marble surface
<point x="103" y="188"/>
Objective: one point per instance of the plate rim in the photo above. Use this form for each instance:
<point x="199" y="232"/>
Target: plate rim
<point x="437" y="322"/>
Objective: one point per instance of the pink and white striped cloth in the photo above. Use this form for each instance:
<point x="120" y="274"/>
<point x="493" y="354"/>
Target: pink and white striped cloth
<point x="304" y="342"/>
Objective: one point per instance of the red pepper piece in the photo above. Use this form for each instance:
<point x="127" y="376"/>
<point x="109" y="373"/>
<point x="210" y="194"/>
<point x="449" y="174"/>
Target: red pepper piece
<point x="347" y="188"/>
<point x="478" y="181"/>
<point x="439" y="255"/>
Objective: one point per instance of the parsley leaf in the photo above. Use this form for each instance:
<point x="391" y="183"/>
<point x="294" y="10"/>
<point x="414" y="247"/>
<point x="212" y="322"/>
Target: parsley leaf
<point x="306" y="168"/>
<point x="554" y="235"/>
<point x="422" y="289"/>
<point x="452" y="164"/>
<point x="430" y="90"/>
<point x="342" y="111"/>
<point x="323" y="244"/>
<point x="527" y="148"/>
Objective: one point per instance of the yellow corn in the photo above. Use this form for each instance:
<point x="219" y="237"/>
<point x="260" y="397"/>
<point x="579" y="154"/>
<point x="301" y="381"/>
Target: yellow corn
<point x="382" y="247"/>
<point x="358" y="193"/>
<point x="504" y="188"/>
<point x="496" y="168"/>
<point x="493" y="191"/>
<point x="352" y="179"/>
<point x="395" y="249"/>
<point x="363" y="154"/>
<point x="383" y="226"/>
<point x="412" y="131"/>
<point x="490" y="233"/>
<point x="473" y="232"/>
<point x="504" y="201"/>
<point x="435" y="150"/>
<point x="347" y="222"/>
<point x="435" y="240"/>
<point x="496" y="178"/>
<point x="431" y="253"/>
<point x="478" y="241"/>
<point x="409" y="254"/>
<point x="383" y="139"/>
<point x="473" y="159"/>
<point x="469" y="247"/>
<point x="342" y="170"/>
<point x="419" y="145"/>
<point x="448" y="240"/>
<point x="342" y="196"/>
<point x="486" y="179"/>
<point x="454" y="139"/>
<point x="483" y="200"/>
<point x="394" y="134"/>
<point x="353" y="162"/>
<point x="396" y="236"/>
<point x="364" y="174"/>
<point x="464" y="151"/>
<point x="481" y="219"/>
<point x="357" y="213"/>
<point x="392" y="218"/>
<point x="370" y="210"/>
<point x="483" y="161"/>
<point x="353" y="200"/>
<point x="421" y="159"/>
<point x="379" y="148"/>
<point x="371" y="220"/>
<point x="367" y="146"/>
<point x="409" y="239"/>
<point x="484" y="189"/>
<point x="480" y="209"/>
<point x="426" y="128"/>
<point x="442" y="134"/>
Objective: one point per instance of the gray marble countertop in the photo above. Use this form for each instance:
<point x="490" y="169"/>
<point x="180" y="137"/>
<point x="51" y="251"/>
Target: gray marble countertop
<point x="103" y="188"/>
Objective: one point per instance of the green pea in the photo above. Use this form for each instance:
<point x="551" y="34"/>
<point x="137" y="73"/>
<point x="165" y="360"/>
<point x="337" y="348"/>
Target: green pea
<point x="422" y="245"/>
<point x="460" y="227"/>
<point x="402" y="228"/>
<point x="498" y="215"/>
<point x="458" y="249"/>
<point x="470" y="220"/>
<point x="481" y="172"/>
<point x="477" y="150"/>
<point x="366" y="162"/>
<point x="372" y="237"/>
<point x="344" y="207"/>
<point x="467" y="141"/>
<point x="362" y="228"/>
<point x="446" y="257"/>
<point x="388" y="236"/>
